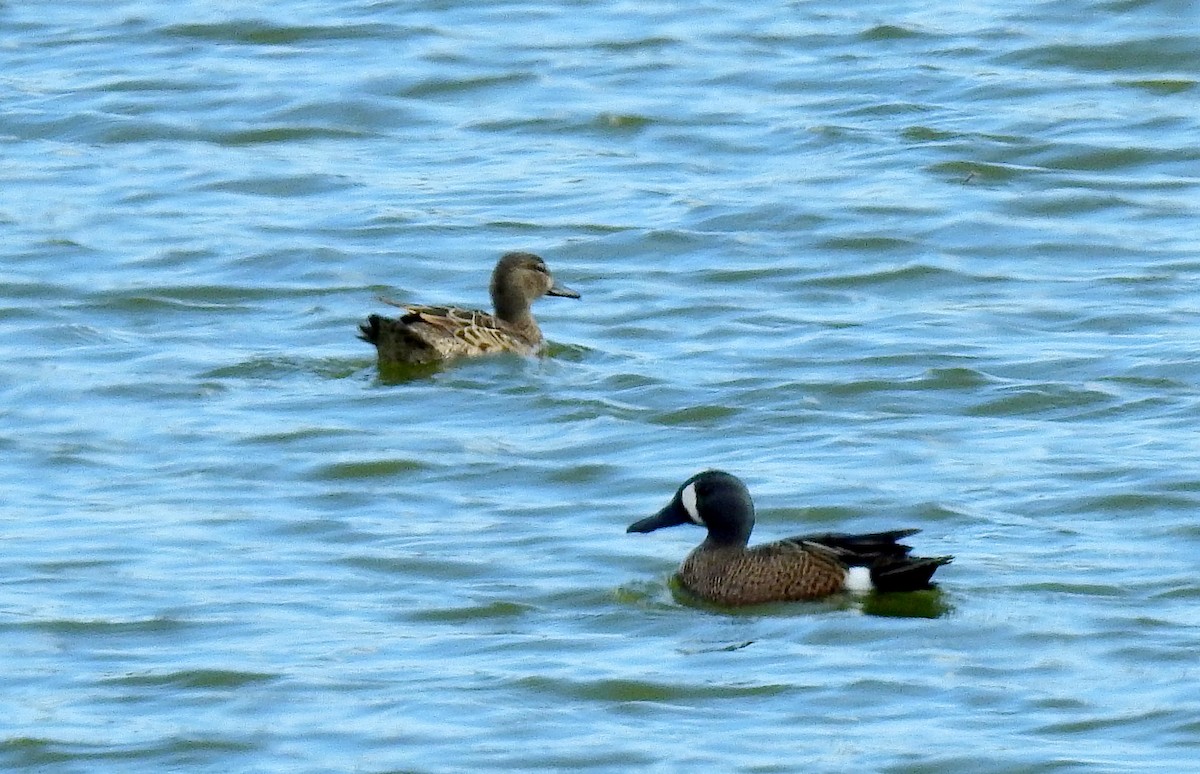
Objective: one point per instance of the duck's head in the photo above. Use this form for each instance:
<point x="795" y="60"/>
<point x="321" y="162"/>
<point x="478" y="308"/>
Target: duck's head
<point x="713" y="499"/>
<point x="519" y="279"/>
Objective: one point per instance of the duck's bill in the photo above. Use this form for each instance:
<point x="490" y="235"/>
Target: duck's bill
<point x="670" y="516"/>
<point x="562" y="290"/>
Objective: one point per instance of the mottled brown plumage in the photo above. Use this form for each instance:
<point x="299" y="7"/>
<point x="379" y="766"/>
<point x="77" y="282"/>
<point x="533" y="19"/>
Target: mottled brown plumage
<point x="736" y="575"/>
<point x="724" y="570"/>
<point x="428" y="334"/>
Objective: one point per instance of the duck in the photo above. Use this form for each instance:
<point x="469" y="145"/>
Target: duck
<point x="725" y="571"/>
<point x="431" y="334"/>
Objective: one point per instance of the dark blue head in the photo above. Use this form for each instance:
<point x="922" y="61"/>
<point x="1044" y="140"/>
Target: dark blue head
<point x="712" y="499"/>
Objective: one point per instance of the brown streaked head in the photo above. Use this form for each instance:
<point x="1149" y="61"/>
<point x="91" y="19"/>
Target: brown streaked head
<point x="518" y="280"/>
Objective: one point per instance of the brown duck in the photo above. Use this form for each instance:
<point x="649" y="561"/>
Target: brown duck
<point x="724" y="570"/>
<point x="428" y="334"/>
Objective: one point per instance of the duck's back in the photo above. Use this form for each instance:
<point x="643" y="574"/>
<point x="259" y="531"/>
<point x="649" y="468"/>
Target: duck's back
<point x="426" y="334"/>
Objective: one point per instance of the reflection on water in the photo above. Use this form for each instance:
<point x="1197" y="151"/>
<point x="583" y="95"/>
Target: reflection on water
<point x="931" y="603"/>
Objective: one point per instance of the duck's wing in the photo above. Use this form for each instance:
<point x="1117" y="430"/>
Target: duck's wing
<point x="892" y="568"/>
<point x="476" y="332"/>
<point x="861" y="546"/>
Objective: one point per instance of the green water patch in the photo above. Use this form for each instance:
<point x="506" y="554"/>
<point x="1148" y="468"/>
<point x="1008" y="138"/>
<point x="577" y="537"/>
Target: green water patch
<point x="1101" y="590"/>
<point x="262" y="33"/>
<point x="439" y="87"/>
<point x="274" y="367"/>
<point x="401" y="373"/>
<point x="1136" y="502"/>
<point x="68" y="567"/>
<point x="1140" y="54"/>
<point x="498" y="610"/>
<point x="36" y="753"/>
<point x="173" y="297"/>
<point x="929" y="603"/>
<point x="429" y="565"/>
<point x="1058" y="400"/>
<point x="885" y="32"/>
<point x="814" y="515"/>
<point x="868" y="243"/>
<point x="193" y="678"/>
<point x="1187" y="591"/>
<point x="736" y="277"/>
<point x="298" y="436"/>
<point x="1161" y="86"/>
<point x="647" y="595"/>
<point x="277" y="135"/>
<point x="967" y="172"/>
<point x="923" y="134"/>
<point x="1068" y="201"/>
<point x="694" y="416"/>
<point x="281" y="186"/>
<point x="1104" y="159"/>
<point x="952" y="379"/>
<point x="624" y="123"/>
<point x="921" y="275"/>
<point x="1122" y="722"/>
<point x="728" y="647"/>
<point x="368" y="469"/>
<point x="583" y="473"/>
<point x="636" y="44"/>
<point x="104" y="628"/>
<point x="615" y="690"/>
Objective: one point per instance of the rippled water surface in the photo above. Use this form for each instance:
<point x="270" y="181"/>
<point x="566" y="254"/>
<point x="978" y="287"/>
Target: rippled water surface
<point x="897" y="265"/>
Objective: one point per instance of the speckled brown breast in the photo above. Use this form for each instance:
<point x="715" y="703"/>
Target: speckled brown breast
<point x="773" y="572"/>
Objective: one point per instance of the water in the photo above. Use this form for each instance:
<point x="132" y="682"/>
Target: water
<point x="899" y="265"/>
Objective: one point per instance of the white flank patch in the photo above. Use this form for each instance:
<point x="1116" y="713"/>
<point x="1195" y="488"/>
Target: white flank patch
<point x="858" y="580"/>
<point x="688" y="498"/>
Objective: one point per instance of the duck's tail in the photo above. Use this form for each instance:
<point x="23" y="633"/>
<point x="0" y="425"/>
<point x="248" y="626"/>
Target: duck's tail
<point x="912" y="573"/>
<point x="396" y="341"/>
<point x="887" y="559"/>
<point x="369" y="330"/>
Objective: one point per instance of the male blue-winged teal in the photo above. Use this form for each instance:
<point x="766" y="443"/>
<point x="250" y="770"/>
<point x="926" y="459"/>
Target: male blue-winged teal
<point x="724" y="570"/>
<point x="427" y="334"/>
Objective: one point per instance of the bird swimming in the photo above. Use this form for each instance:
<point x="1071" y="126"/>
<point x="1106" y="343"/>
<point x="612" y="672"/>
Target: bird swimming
<point x="724" y="570"/>
<point x="430" y="334"/>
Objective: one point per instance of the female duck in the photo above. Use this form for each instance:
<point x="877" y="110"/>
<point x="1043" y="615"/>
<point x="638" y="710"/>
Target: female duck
<point x="724" y="570"/>
<point x="428" y="334"/>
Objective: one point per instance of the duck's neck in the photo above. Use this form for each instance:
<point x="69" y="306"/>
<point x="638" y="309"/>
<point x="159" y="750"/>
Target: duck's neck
<point x="517" y="315"/>
<point x="735" y="528"/>
<point x="734" y="536"/>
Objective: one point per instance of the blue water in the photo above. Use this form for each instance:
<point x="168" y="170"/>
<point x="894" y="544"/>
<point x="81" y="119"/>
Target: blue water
<point x="898" y="265"/>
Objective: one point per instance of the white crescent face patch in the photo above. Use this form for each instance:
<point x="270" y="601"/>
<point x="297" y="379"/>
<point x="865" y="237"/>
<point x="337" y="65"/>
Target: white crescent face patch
<point x="688" y="498"/>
